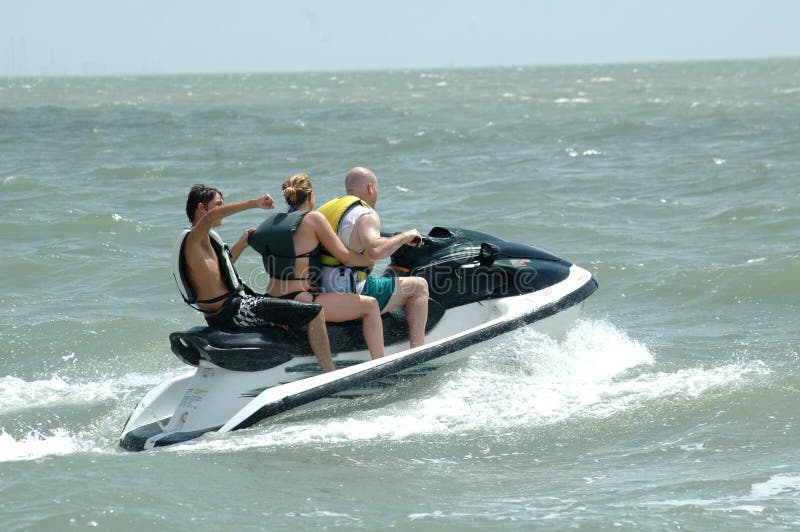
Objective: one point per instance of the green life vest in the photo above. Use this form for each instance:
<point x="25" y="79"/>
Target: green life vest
<point x="274" y="240"/>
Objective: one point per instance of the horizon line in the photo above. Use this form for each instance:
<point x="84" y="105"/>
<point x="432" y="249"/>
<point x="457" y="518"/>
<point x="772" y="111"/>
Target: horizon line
<point x="394" y="69"/>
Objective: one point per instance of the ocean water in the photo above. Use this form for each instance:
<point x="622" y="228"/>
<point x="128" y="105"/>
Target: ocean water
<point x="672" y="404"/>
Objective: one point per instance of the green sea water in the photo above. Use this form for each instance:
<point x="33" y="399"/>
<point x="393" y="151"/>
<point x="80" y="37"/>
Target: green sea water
<point x="672" y="404"/>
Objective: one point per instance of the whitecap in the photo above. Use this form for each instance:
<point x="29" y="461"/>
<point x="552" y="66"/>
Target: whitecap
<point x="18" y="394"/>
<point x="777" y="485"/>
<point x="571" y="100"/>
<point x="35" y="445"/>
<point x="749" y="508"/>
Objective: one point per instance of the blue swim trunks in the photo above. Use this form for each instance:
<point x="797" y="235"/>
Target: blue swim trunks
<point x="381" y="288"/>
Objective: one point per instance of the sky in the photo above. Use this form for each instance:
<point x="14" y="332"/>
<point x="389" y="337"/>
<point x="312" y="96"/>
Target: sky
<point x="107" y="37"/>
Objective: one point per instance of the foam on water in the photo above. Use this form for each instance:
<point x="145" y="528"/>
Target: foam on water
<point x="34" y="445"/>
<point x="524" y="380"/>
<point x="18" y="395"/>
<point x="781" y="487"/>
<point x="783" y="484"/>
<point x="62" y="437"/>
<point x="521" y="380"/>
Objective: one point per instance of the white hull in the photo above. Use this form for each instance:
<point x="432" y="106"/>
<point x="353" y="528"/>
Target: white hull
<point x="212" y="398"/>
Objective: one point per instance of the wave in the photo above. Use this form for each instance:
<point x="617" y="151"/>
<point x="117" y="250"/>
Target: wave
<point x="521" y="382"/>
<point x="526" y="381"/>
<point x="19" y="183"/>
<point x="776" y="485"/>
<point x="89" y="423"/>
<point x="17" y="395"/>
<point x="781" y="487"/>
<point x="35" y="445"/>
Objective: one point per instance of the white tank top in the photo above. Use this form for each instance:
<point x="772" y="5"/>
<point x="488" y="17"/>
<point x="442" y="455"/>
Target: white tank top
<point x="348" y="223"/>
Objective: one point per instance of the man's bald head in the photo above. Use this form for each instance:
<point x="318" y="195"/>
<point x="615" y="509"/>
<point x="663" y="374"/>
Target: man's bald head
<point x="363" y="183"/>
<point x="358" y="178"/>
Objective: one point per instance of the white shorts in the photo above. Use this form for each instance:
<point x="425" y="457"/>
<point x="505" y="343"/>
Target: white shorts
<point x="340" y="279"/>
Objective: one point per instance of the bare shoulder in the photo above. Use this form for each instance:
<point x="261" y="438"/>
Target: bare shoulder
<point x="196" y="235"/>
<point x="317" y="221"/>
<point x="316" y="218"/>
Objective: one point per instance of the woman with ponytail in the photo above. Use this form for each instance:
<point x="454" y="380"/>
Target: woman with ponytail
<point x="290" y="245"/>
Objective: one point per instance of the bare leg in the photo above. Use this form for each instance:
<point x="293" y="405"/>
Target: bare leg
<point x="320" y="345"/>
<point x="372" y="327"/>
<point x="318" y="336"/>
<point x="343" y="307"/>
<point x="417" y="313"/>
<point x="413" y="293"/>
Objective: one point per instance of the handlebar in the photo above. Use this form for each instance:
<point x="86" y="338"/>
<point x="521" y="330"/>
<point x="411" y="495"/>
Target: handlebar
<point x="423" y="240"/>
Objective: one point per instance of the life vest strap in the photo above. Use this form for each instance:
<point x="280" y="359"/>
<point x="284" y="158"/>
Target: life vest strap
<point x="217" y="299"/>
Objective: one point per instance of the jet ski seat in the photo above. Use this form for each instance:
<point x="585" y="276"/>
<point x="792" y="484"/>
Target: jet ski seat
<point x="261" y="348"/>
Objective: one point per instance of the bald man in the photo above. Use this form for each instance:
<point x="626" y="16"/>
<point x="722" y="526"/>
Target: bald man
<point x="355" y="221"/>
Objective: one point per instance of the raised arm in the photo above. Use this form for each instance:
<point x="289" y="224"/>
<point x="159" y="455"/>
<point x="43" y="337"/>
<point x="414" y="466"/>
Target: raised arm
<point x="214" y="215"/>
<point x="326" y="236"/>
<point x="377" y="246"/>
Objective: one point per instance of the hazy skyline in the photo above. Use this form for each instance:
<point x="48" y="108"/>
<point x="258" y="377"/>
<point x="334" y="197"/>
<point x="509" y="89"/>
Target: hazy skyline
<point x="149" y="37"/>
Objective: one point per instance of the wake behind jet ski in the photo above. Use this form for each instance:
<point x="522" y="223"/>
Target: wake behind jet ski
<point x="480" y="287"/>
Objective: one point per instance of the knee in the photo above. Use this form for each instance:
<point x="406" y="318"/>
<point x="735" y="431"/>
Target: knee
<point x="421" y="288"/>
<point x="370" y="305"/>
<point x="304" y="296"/>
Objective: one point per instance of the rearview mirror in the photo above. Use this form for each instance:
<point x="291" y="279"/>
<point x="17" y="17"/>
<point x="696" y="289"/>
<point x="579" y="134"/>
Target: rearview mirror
<point x="488" y="254"/>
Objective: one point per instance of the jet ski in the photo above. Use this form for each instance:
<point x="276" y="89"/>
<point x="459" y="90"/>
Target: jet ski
<point x="480" y="287"/>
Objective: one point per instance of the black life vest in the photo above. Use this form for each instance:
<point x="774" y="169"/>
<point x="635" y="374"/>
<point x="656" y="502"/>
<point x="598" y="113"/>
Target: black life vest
<point x="274" y="240"/>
